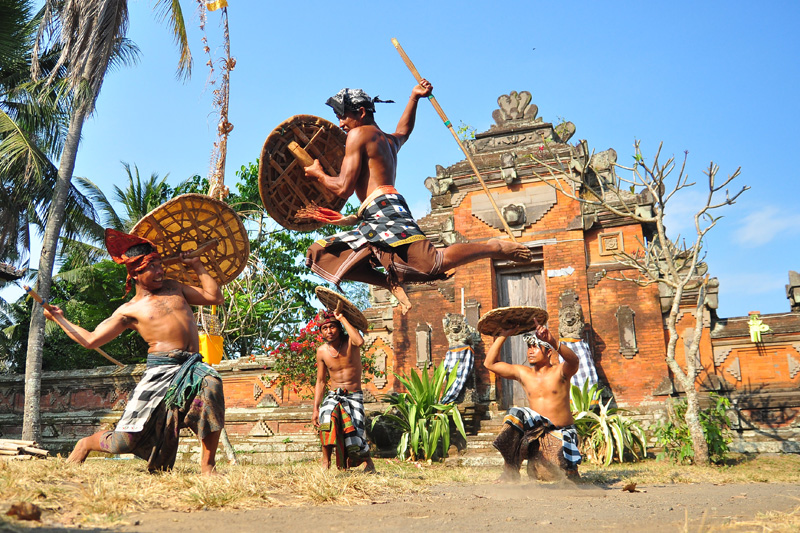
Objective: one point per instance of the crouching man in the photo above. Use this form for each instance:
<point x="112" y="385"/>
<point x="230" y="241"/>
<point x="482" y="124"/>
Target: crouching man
<point x="544" y="433"/>
<point x="340" y="358"/>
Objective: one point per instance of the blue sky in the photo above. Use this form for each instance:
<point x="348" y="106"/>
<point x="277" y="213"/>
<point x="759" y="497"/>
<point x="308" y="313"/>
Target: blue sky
<point x="718" y="79"/>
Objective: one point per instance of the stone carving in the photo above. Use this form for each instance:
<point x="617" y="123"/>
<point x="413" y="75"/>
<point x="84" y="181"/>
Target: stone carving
<point x="534" y="201"/>
<point x="368" y="396"/>
<point x="380" y="365"/>
<point x="720" y="355"/>
<point x="794" y="366"/>
<point x="440" y="184"/>
<point x="602" y="163"/>
<point x="688" y="335"/>
<point x="257" y="391"/>
<point x="570" y="316"/>
<point x="735" y="370"/>
<point x="611" y="243"/>
<point x="508" y="169"/>
<point x="458" y="331"/>
<point x="627" y="331"/>
<point x="514" y="214"/>
<point x="793" y="291"/>
<point x="268" y="401"/>
<point x="564" y="132"/>
<point x="515" y="106"/>
<point x="261" y="429"/>
<point x="423" y="343"/>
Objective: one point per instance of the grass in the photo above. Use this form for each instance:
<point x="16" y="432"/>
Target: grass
<point x="102" y="492"/>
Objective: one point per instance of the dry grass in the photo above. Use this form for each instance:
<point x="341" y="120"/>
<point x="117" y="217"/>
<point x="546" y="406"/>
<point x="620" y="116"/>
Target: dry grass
<point x="102" y="491"/>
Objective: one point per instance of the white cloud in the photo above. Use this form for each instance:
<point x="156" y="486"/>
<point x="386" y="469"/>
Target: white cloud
<point x="760" y="227"/>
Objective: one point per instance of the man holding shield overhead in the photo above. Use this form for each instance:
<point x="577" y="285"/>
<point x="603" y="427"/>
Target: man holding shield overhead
<point x="546" y="424"/>
<point x="387" y="235"/>
<point x="177" y="390"/>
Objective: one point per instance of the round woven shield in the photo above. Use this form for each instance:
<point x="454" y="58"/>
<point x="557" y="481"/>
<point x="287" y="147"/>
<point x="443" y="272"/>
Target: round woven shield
<point x="282" y="181"/>
<point x="193" y="221"/>
<point x="517" y="319"/>
<point x="330" y="299"/>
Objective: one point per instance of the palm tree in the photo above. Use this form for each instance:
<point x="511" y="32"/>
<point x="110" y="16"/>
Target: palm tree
<point x="90" y="33"/>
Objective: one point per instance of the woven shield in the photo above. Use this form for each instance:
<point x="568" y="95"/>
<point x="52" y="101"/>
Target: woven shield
<point x="518" y="319"/>
<point x="195" y="221"/>
<point x="330" y="299"/>
<point x="282" y="182"/>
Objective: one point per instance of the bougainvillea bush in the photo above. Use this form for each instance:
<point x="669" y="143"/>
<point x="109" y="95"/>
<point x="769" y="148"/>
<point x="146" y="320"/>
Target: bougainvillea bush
<point x="296" y="360"/>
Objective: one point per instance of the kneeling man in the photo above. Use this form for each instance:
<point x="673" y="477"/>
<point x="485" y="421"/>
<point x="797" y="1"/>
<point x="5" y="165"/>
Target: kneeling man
<point x="340" y="358"/>
<point x="528" y="432"/>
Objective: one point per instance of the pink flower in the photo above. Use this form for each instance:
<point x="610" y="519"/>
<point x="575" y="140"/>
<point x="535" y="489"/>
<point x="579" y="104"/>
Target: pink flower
<point x="295" y="347"/>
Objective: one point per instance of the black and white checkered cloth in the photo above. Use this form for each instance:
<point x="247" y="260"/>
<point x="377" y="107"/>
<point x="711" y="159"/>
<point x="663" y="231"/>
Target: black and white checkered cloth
<point x="385" y="221"/>
<point x="149" y="392"/>
<point x="464" y="356"/>
<point x="586" y="370"/>
<point x="353" y="404"/>
<point x="525" y="418"/>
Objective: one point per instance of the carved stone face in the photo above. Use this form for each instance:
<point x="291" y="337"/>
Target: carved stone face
<point x="570" y="321"/>
<point x="457" y="330"/>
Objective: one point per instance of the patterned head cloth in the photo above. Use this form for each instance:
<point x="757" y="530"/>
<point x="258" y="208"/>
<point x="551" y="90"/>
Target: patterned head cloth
<point x="119" y="243"/>
<point x="327" y="317"/>
<point x="352" y="100"/>
<point x="532" y="340"/>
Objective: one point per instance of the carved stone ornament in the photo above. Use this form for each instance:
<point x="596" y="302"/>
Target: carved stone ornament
<point x="534" y="201"/>
<point x="458" y="331"/>
<point x="735" y="369"/>
<point x="423" y="343"/>
<point x="380" y="365"/>
<point x="261" y="429"/>
<point x="514" y="214"/>
<point x="508" y="169"/>
<point x="627" y="331"/>
<point x="570" y="316"/>
<point x="515" y="106"/>
<point x="611" y="243"/>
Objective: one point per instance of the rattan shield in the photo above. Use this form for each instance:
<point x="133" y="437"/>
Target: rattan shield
<point x="282" y="182"/>
<point x="518" y="319"/>
<point x="330" y="299"/>
<point x="190" y="221"/>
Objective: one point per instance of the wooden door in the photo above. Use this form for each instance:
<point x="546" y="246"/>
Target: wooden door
<point x="517" y="287"/>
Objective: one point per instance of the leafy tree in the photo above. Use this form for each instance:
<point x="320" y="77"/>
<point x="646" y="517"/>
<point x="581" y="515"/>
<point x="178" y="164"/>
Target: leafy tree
<point x="91" y="34"/>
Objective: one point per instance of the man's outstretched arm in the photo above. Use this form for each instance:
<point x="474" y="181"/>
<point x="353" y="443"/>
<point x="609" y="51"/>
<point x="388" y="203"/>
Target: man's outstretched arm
<point x="500" y="368"/>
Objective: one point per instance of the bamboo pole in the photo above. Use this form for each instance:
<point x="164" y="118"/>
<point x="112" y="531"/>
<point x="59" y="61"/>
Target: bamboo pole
<point x="447" y="123"/>
<point x="33" y="294"/>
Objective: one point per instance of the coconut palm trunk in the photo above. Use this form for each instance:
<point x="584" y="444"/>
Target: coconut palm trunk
<point x="31" y="418"/>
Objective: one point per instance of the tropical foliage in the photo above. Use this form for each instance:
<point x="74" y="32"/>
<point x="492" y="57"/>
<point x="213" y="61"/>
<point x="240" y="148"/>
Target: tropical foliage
<point x="295" y="360"/>
<point x="674" y="437"/>
<point x="606" y="433"/>
<point x="420" y="415"/>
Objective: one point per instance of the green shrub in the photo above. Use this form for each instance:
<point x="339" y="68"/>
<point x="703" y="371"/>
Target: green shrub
<point x="673" y="434"/>
<point x="418" y="413"/>
<point x="605" y="432"/>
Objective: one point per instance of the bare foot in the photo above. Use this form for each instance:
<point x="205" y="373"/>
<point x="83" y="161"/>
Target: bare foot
<point x="512" y="251"/>
<point x="209" y="470"/>
<point x="80" y="453"/>
<point x="402" y="298"/>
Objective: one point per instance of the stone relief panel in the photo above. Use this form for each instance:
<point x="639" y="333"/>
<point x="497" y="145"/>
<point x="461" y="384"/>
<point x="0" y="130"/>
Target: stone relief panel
<point x="611" y="243"/>
<point x="521" y="209"/>
<point x="423" y="344"/>
<point x="627" y="331"/>
<point x="380" y="365"/>
<point x="570" y="316"/>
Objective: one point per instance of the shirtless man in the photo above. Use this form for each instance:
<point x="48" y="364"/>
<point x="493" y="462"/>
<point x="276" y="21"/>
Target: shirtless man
<point x="176" y="385"/>
<point x="340" y="359"/>
<point x="546" y="383"/>
<point x="387" y="234"/>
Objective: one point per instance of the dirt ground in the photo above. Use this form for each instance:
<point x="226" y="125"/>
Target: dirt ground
<point x="519" y="507"/>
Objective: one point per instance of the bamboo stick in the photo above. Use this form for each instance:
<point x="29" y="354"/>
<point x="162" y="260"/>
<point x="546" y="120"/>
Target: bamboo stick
<point x="33" y="294"/>
<point x="447" y="123"/>
<point x="19" y="442"/>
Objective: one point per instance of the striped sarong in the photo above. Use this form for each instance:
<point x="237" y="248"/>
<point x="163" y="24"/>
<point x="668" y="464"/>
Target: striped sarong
<point x="353" y="425"/>
<point x="464" y="356"/>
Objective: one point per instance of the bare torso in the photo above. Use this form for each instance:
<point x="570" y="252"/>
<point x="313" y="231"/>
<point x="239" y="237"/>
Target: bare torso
<point x="379" y="150"/>
<point x="163" y="318"/>
<point x="548" y="393"/>
<point x="344" y="365"/>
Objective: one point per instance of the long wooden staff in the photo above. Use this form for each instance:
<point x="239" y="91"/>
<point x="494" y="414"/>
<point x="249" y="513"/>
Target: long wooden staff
<point x="447" y="123"/>
<point x="35" y="295"/>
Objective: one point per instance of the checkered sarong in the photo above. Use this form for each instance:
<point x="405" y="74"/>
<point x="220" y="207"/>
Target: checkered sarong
<point x="464" y="356"/>
<point x="525" y="418"/>
<point x="385" y="221"/>
<point x="353" y="404"/>
<point x="586" y="370"/>
<point x="148" y="393"/>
